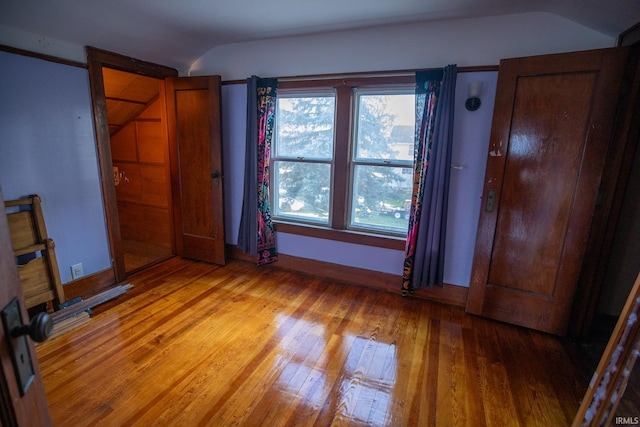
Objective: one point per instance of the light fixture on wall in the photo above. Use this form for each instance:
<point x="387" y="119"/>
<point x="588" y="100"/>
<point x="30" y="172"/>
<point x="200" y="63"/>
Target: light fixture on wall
<point x="473" y="96"/>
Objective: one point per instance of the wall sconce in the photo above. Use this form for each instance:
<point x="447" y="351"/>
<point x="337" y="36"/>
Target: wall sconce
<point x="473" y="92"/>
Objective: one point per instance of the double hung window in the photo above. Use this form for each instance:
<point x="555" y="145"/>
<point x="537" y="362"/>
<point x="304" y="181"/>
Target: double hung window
<point x="342" y="155"/>
<point x="303" y="153"/>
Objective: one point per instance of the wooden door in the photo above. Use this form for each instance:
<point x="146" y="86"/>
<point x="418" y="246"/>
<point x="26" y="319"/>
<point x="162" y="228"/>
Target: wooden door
<point x="550" y="136"/>
<point x="99" y="60"/>
<point x="30" y="409"/>
<point x="195" y="142"/>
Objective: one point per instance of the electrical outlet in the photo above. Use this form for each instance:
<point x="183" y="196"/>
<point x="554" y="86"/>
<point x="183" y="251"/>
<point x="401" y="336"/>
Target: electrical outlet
<point x="76" y="271"/>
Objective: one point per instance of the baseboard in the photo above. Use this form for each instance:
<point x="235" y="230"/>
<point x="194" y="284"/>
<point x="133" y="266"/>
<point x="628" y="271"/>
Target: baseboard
<point x="89" y="285"/>
<point x="448" y="294"/>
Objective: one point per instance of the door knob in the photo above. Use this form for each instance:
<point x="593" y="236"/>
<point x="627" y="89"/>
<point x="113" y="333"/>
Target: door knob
<point x="39" y="329"/>
<point x="216" y="178"/>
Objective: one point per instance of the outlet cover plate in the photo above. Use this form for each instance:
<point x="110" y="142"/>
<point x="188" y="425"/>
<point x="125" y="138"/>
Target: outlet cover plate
<point x="76" y="271"/>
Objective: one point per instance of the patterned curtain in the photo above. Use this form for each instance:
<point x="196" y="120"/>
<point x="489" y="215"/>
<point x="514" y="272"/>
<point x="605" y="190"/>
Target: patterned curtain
<point x="424" y="250"/>
<point x="256" y="235"/>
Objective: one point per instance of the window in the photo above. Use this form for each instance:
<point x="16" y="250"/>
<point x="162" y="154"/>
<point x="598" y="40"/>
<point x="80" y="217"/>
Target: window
<point x="342" y="155"/>
<point x="382" y="155"/>
<point x="303" y="156"/>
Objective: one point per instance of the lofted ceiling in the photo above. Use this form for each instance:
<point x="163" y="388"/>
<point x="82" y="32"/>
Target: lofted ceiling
<point x="176" y="33"/>
<point x="127" y="95"/>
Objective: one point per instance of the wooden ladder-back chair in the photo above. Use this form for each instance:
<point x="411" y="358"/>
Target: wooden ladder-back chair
<point x="39" y="276"/>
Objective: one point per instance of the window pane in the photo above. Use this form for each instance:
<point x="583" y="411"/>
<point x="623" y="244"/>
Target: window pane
<point x="305" y="127"/>
<point x="302" y="190"/>
<point x="386" y="124"/>
<point x="381" y="198"/>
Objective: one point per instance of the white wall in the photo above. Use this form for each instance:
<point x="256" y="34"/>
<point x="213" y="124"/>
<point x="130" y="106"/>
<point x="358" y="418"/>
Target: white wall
<point x="47" y="147"/>
<point x="40" y="44"/>
<point x="468" y="42"/>
<point x="470" y="142"/>
<point x="415" y="46"/>
<point x="471" y="134"/>
<point x="234" y="131"/>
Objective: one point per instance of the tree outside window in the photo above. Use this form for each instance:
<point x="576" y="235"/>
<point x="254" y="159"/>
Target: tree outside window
<point x="379" y="170"/>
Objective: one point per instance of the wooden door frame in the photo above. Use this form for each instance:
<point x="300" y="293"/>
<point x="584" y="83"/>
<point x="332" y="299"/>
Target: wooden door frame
<point x="626" y="140"/>
<point x="96" y="59"/>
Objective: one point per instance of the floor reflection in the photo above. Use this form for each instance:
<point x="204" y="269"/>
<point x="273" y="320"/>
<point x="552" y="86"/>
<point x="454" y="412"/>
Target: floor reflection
<point x="366" y="387"/>
<point x="353" y="377"/>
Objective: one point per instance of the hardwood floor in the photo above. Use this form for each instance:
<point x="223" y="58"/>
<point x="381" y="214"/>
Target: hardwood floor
<point x="140" y="254"/>
<point x="196" y="344"/>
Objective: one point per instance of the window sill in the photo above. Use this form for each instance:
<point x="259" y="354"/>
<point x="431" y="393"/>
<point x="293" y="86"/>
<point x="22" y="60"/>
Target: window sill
<point x="360" y="238"/>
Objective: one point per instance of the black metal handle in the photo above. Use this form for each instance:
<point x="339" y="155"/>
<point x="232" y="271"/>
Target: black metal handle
<point x="39" y="329"/>
<point x="216" y="178"/>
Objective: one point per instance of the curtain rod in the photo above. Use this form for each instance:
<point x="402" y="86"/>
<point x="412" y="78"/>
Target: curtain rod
<point x="360" y="74"/>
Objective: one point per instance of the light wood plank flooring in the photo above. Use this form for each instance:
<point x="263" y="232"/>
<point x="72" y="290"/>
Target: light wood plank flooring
<point x="194" y="344"/>
<point x="141" y="254"/>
